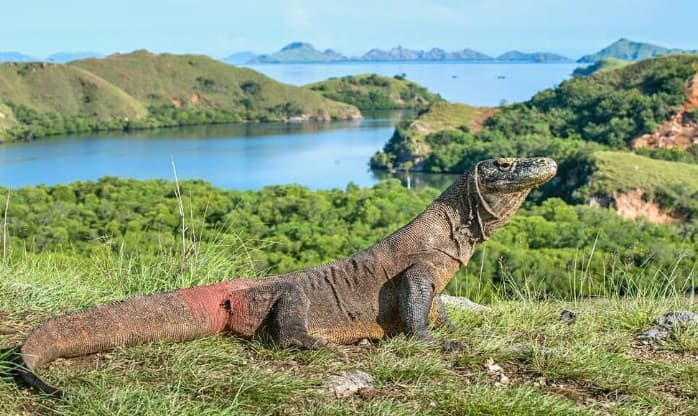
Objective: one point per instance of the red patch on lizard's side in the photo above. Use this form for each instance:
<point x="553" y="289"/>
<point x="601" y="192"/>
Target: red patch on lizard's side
<point x="214" y="304"/>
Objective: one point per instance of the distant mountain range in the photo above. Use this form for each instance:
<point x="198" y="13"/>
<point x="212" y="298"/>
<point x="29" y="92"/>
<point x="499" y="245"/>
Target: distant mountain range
<point x="12" y="56"/>
<point x="629" y="50"/>
<point x="59" y="58"/>
<point x="302" y="52"/>
<point x="65" y="57"/>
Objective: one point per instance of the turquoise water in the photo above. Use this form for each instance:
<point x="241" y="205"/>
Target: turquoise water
<point x="251" y="156"/>
<point x="471" y="83"/>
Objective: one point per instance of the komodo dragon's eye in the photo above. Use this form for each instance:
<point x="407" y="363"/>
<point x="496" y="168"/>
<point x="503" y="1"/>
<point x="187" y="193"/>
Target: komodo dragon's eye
<point x="505" y="164"/>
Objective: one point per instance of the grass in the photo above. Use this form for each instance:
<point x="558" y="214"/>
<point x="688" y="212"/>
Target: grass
<point x="624" y="171"/>
<point x="408" y="142"/>
<point x="448" y="116"/>
<point x="66" y="90"/>
<point x="592" y="366"/>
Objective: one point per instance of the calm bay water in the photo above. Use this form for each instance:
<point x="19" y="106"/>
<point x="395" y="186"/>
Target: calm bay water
<point x="471" y="83"/>
<point x="251" y="156"/>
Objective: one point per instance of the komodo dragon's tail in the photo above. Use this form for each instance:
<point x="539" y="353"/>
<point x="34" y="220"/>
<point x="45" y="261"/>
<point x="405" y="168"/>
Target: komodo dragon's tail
<point x="170" y="316"/>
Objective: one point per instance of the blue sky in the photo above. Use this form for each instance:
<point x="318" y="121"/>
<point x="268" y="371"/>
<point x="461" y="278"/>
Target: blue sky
<point x="220" y="27"/>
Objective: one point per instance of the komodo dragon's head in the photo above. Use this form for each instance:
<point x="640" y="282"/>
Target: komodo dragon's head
<point x="501" y="185"/>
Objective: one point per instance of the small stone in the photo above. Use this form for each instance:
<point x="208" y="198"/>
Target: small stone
<point x="492" y="367"/>
<point x="346" y="383"/>
<point x="568" y="316"/>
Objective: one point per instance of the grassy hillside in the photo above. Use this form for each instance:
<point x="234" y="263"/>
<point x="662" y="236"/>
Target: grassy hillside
<point x="408" y="147"/>
<point x="624" y="171"/>
<point x="140" y="90"/>
<point x="63" y="89"/>
<point x="523" y="359"/>
<point x="375" y="92"/>
<point x="200" y="82"/>
<point x="7" y="119"/>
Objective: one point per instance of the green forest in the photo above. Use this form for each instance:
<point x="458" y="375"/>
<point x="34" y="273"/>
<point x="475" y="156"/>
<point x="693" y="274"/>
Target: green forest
<point x="555" y="248"/>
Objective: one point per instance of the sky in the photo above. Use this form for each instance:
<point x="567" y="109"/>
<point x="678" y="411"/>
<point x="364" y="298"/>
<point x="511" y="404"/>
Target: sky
<point x="221" y="27"/>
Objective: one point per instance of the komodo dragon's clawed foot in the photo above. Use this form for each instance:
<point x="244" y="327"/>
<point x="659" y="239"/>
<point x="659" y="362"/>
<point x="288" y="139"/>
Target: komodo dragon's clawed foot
<point x="311" y="343"/>
<point x="453" y="345"/>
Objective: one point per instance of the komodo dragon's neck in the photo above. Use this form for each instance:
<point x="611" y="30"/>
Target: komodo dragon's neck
<point x="453" y="225"/>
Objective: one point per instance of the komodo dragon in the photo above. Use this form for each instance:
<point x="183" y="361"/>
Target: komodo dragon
<point x="389" y="288"/>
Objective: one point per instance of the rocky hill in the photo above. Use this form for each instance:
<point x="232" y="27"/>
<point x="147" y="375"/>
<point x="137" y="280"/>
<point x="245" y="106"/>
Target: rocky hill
<point x="298" y="52"/>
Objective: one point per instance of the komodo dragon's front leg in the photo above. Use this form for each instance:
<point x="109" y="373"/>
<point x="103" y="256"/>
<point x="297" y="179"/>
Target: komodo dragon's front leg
<point x="416" y="299"/>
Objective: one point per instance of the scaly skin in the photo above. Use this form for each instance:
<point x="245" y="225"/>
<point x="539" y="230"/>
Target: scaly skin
<point x="387" y="289"/>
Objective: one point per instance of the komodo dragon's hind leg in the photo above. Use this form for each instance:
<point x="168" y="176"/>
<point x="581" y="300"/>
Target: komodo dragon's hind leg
<point x="291" y="321"/>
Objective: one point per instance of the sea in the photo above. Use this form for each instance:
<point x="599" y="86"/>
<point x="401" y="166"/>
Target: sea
<point x="251" y="156"/>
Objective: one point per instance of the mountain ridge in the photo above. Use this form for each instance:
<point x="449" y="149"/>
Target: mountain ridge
<point x="304" y="52"/>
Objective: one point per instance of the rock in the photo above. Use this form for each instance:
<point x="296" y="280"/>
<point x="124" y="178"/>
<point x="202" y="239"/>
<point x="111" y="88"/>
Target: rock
<point x="667" y="323"/>
<point x="346" y="383"/>
<point x="654" y="334"/>
<point x="363" y="342"/>
<point x="674" y="319"/>
<point x="568" y="316"/>
<point x="463" y="303"/>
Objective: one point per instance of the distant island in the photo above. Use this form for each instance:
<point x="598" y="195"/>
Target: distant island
<point x="303" y="52"/>
<point x="629" y="50"/>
